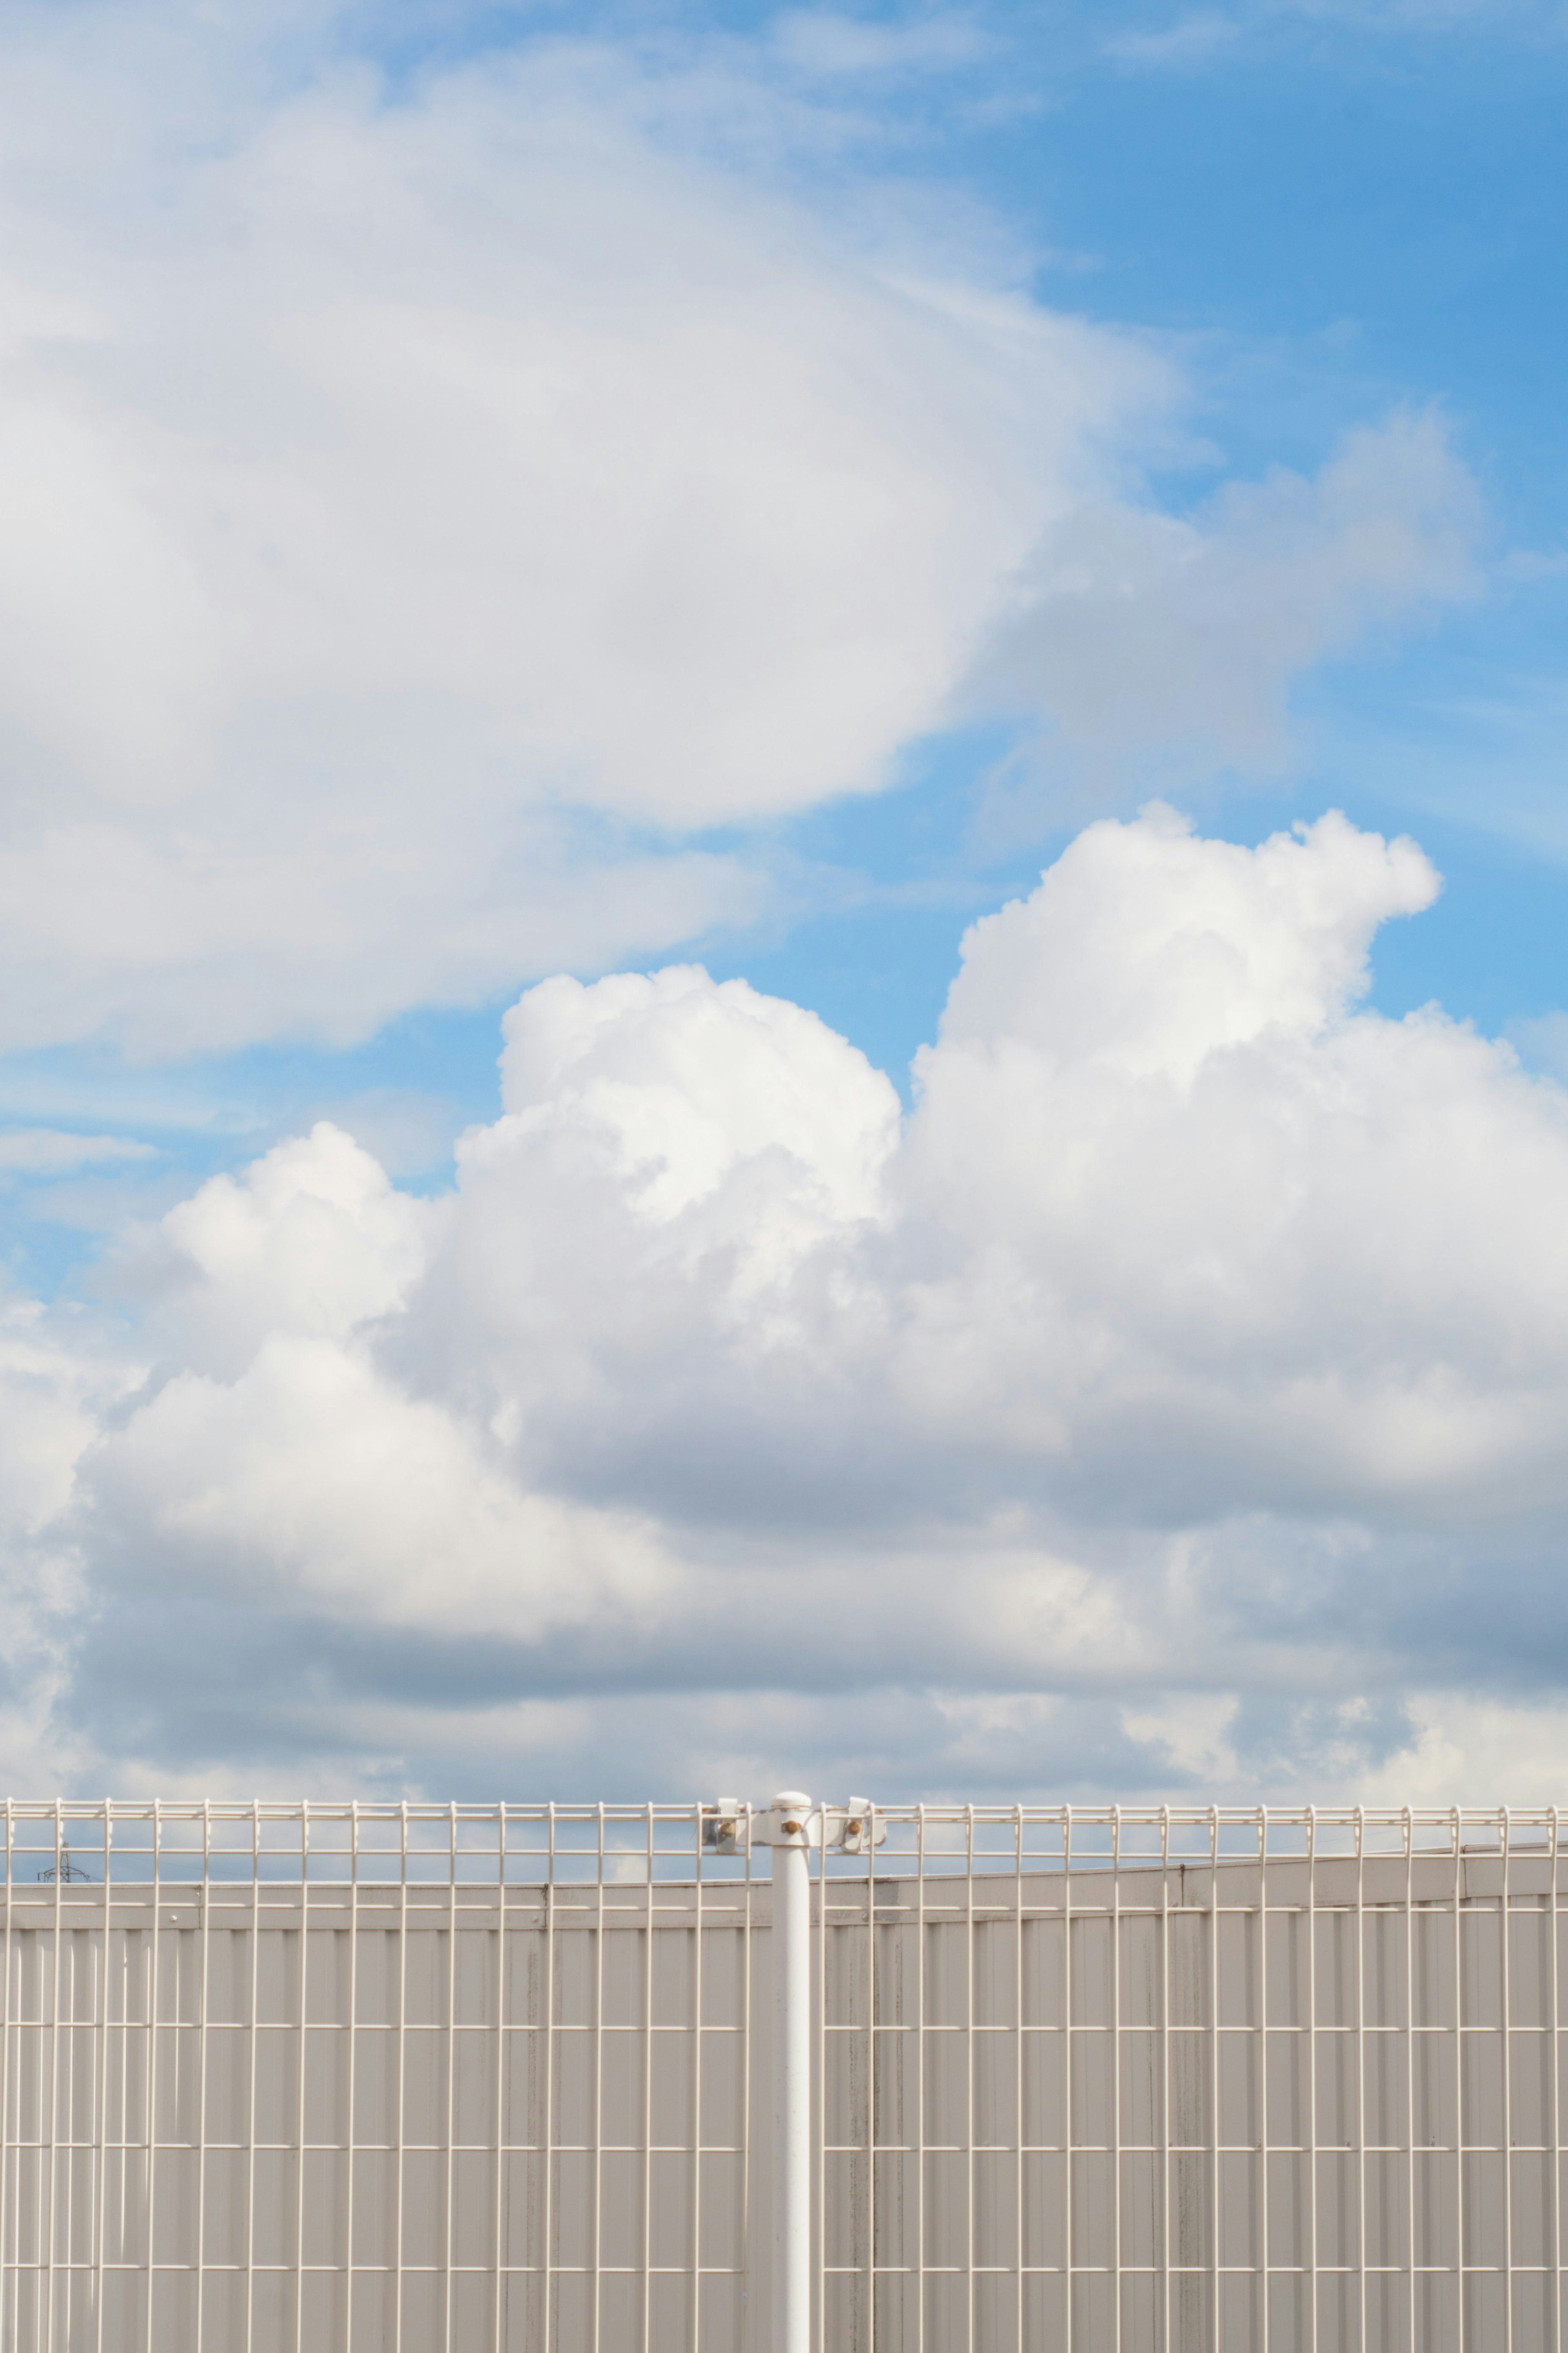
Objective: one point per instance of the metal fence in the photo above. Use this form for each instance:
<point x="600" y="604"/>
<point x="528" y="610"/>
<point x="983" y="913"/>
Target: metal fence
<point x="417" y="2079"/>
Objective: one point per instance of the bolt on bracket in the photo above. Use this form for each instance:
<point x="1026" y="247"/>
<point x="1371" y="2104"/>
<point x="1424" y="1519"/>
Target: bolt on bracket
<point x="732" y="1827"/>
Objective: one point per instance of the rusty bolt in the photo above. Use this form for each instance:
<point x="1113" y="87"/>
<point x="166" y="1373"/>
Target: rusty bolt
<point x="791" y="1830"/>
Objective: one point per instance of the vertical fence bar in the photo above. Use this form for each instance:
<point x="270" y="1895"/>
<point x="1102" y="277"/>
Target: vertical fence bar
<point x="450" y="2135"/>
<point x="695" y="2331"/>
<point x="56" y="1987"/>
<point x="10" y="2206"/>
<point x="971" y="2287"/>
<point x="353" y="2082"/>
<point x="67" y="2015"/>
<point x="1263" y="2133"/>
<point x="1214" y="2332"/>
<point x="646" y="2346"/>
<point x="599" y="2072"/>
<point x="1116" y="2076"/>
<point x="747" y="1949"/>
<point x="869" y="1839"/>
<point x="398" y="2186"/>
<point x="548" y="2024"/>
<point x="1410" y="2073"/>
<point x="1555" y="2328"/>
<point x="819" y="2221"/>
<point x="1505" y="1826"/>
<point x="1313" y="2075"/>
<point x="920" y="2079"/>
<point x="102" y="2170"/>
<point x="300" y="2086"/>
<point x="201" y="2071"/>
<point x="1163" y="2242"/>
<point x="250" y="2104"/>
<point x="792" y="2048"/>
<point x="1460" y="2084"/>
<point x="1070" y="2315"/>
<point x="1018" y="2077"/>
<point x="1361" y="2069"/>
<point x="149" y="2340"/>
<point x="498" y="2300"/>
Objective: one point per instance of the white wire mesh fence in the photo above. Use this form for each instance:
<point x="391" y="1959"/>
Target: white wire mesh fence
<point x="335" y="2079"/>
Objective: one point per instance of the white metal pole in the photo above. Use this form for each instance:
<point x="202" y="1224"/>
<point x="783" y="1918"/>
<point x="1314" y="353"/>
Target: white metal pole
<point x="792" y="2071"/>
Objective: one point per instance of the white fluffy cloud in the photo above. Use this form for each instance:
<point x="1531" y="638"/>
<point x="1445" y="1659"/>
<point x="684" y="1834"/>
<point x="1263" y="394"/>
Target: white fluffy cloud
<point x="1242" y="1238"/>
<point x="313" y="1241"/>
<point x="432" y="501"/>
<point x="1177" y="1392"/>
<point x="308" y="1470"/>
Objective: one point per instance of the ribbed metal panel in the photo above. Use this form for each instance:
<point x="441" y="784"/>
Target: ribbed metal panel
<point x="501" y="2078"/>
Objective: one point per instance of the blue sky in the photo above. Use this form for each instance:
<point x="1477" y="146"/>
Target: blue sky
<point x="505" y="497"/>
<point x="1328" y="213"/>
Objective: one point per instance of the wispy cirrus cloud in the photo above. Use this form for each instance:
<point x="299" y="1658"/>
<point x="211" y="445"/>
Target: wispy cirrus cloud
<point x="486" y="518"/>
<point x="1188" y="41"/>
<point x="521" y="483"/>
<point x="50" y="1151"/>
<point x="1157" y="647"/>
<point x="826" y="43"/>
<point x="1196" y="37"/>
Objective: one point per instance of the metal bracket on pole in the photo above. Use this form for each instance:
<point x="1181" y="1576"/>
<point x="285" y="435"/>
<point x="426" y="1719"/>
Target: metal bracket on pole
<point x="729" y="1826"/>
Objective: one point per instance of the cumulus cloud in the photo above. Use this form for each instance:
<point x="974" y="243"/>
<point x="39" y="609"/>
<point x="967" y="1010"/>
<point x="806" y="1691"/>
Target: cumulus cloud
<point x="312" y="1240"/>
<point x="61" y="1386"/>
<point x="434" y="500"/>
<point x="308" y="1471"/>
<point x="1176" y="1395"/>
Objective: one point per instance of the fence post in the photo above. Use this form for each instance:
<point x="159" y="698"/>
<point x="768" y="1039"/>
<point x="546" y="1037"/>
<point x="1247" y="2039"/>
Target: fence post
<point x="792" y="1830"/>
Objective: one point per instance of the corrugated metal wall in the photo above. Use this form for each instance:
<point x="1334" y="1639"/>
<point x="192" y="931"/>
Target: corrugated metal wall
<point x="398" y="2092"/>
<point x="1060" y="2108"/>
<point x="1378" y="2165"/>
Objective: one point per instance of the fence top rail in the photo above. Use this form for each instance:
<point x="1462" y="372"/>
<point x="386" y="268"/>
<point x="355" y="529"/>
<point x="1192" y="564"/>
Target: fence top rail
<point x="686" y="1809"/>
<point x="61" y="1840"/>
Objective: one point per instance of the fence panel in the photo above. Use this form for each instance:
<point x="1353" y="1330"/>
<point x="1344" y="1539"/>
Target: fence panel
<point x="477" y="2079"/>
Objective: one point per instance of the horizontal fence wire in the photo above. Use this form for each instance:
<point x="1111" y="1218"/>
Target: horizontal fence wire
<point x="335" y="2078"/>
